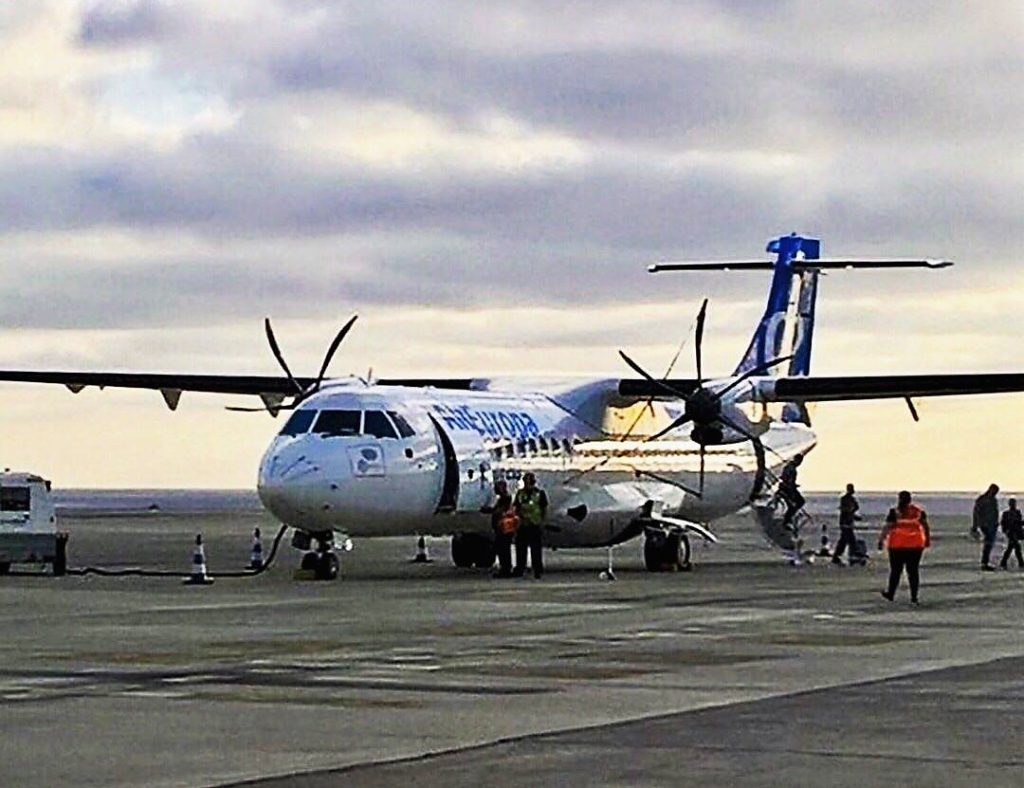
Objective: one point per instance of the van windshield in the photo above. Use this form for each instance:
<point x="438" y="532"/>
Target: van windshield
<point x="15" y="499"/>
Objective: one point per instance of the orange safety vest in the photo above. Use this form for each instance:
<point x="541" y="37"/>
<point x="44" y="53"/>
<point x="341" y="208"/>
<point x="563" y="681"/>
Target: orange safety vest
<point x="508" y="522"/>
<point x="907" y="533"/>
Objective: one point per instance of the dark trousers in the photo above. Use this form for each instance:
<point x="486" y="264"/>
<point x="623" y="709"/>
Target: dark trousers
<point x="529" y="537"/>
<point x="503" y="547"/>
<point x="909" y="558"/>
<point x="986" y="550"/>
<point x="794" y="503"/>
<point x="1012" y="546"/>
<point x="847" y="539"/>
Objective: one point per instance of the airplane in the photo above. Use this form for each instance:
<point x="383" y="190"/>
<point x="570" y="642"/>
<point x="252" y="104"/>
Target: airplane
<point x="619" y="458"/>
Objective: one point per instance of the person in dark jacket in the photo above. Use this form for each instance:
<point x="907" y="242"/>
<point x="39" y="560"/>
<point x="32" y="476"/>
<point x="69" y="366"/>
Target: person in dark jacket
<point x="848" y="516"/>
<point x="789" y="490"/>
<point x="986" y="520"/>
<point x="1012" y="524"/>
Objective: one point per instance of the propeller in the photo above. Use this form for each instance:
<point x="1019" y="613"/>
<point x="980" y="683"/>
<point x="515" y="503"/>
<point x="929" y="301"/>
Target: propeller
<point x="703" y="406"/>
<point x="301" y="392"/>
<point x="649" y="406"/>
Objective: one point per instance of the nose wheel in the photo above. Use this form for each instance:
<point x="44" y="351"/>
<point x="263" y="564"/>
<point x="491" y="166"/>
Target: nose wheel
<point x="320" y="563"/>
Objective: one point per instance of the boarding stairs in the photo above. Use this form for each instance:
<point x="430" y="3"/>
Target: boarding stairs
<point x="769" y="508"/>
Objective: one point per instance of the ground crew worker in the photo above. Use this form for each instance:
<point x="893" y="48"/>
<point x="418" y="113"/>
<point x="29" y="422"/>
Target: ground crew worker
<point x="986" y="521"/>
<point x="906" y="531"/>
<point x="848" y="516"/>
<point x="1012" y="524"/>
<point x="531" y="504"/>
<point x="505" y="523"/>
<point x="790" y="490"/>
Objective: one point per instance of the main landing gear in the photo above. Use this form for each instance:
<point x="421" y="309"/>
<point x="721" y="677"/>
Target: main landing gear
<point x="666" y="551"/>
<point x="319" y="562"/>
<point x="470" y="549"/>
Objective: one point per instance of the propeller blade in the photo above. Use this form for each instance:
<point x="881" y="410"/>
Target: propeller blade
<point x="736" y="428"/>
<point x="677" y="423"/>
<point x="332" y="350"/>
<point x="699" y="339"/>
<point x="758" y="370"/>
<point x="276" y="350"/>
<point x="700" y="486"/>
<point x="666" y="480"/>
<point x="644" y="373"/>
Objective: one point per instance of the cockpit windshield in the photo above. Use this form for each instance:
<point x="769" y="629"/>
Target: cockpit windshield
<point x="404" y="428"/>
<point x="338" y="422"/>
<point x="378" y="426"/>
<point x="331" y="423"/>
<point x="300" y="422"/>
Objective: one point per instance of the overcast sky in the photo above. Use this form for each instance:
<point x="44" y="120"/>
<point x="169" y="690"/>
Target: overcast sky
<point x="482" y="179"/>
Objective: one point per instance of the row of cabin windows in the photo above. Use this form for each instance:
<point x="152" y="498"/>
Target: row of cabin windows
<point x="535" y="447"/>
<point x="332" y="423"/>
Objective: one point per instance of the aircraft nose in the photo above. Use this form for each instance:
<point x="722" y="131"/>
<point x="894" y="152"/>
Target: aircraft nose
<point x="292" y="482"/>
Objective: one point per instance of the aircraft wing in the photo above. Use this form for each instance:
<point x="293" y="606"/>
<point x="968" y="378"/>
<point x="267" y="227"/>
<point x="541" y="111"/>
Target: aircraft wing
<point x="216" y="384"/>
<point x="272" y="389"/>
<point x="853" y="387"/>
<point x="824" y="389"/>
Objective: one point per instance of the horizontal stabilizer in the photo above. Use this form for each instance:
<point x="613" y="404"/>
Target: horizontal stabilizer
<point x="797" y="265"/>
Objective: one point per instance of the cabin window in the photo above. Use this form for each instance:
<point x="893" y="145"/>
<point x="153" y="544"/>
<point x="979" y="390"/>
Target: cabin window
<point x="532" y="446"/>
<point x="15" y="499"/>
<point x="332" y="423"/>
<point x="566" y="446"/>
<point x="404" y="428"/>
<point x="299" y="423"/>
<point x="543" y="446"/>
<point x="520" y="448"/>
<point x="378" y="426"/>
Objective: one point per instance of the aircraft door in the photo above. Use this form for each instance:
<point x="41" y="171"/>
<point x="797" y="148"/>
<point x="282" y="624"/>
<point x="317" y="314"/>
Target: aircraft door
<point x="468" y="481"/>
<point x="450" y="479"/>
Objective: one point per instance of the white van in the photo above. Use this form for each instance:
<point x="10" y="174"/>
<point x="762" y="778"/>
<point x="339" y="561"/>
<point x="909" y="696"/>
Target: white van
<point x="28" y="523"/>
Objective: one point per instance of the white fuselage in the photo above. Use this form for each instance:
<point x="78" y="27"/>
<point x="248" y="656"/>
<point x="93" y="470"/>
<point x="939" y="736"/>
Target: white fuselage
<point x="390" y="461"/>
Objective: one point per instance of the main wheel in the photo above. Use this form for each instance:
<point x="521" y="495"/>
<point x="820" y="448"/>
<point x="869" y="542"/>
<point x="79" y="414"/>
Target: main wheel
<point x="659" y="555"/>
<point x="683" y="552"/>
<point x="462" y="550"/>
<point x="484" y="553"/>
<point x="666" y="552"/>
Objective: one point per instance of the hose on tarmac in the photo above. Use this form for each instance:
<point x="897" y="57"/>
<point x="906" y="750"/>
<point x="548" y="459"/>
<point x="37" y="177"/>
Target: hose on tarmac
<point x="82" y="571"/>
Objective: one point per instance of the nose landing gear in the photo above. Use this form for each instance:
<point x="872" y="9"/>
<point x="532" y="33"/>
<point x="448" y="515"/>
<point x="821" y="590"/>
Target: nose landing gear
<point x="319" y="562"/>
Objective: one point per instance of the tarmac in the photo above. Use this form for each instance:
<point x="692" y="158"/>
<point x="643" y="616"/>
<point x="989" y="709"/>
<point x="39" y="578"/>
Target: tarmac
<point x="745" y="671"/>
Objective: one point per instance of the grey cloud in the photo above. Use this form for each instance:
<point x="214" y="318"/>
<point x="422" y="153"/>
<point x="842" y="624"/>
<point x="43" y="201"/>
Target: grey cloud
<point x="899" y="159"/>
<point x="112" y="24"/>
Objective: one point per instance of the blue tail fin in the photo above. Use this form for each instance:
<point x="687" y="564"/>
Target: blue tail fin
<point x="787" y="326"/>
